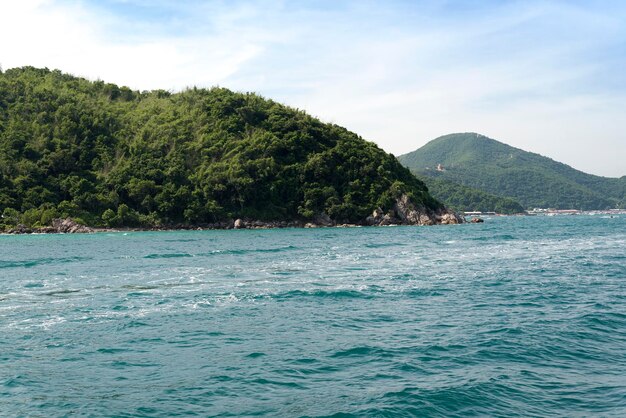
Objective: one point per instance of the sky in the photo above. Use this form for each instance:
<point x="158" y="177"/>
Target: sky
<point x="545" y="76"/>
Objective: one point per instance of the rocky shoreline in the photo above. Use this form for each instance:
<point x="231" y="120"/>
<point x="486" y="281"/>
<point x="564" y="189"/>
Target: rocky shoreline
<point x="404" y="212"/>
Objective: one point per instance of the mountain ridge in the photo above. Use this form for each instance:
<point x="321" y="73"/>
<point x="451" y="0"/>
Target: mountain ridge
<point x="534" y="180"/>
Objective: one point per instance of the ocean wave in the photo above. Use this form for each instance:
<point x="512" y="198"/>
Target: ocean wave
<point x="248" y="251"/>
<point x="185" y="240"/>
<point x="60" y="292"/>
<point x="168" y="255"/>
<point x="496" y="237"/>
<point x="385" y="245"/>
<point x="40" y="261"/>
<point x="322" y="293"/>
<point x="316" y="323"/>
<point x="362" y="351"/>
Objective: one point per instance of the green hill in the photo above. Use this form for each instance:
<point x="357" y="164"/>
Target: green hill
<point x="464" y="198"/>
<point x="474" y="160"/>
<point x="111" y="156"/>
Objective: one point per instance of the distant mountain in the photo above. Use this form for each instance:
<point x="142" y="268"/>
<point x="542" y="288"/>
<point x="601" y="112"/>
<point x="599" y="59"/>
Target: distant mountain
<point x="483" y="163"/>
<point x="463" y="198"/>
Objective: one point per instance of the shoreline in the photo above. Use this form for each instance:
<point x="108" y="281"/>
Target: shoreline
<point x="175" y="229"/>
<point x="68" y="226"/>
<point x="95" y="230"/>
<point x="403" y="213"/>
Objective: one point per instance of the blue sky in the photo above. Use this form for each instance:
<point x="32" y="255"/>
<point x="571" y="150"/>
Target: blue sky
<point x="545" y="76"/>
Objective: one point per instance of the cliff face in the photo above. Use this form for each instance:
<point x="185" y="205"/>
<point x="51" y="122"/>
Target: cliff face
<point x="405" y="212"/>
<point x="108" y="156"/>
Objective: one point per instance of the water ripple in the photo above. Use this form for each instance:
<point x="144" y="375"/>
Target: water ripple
<point x="513" y="317"/>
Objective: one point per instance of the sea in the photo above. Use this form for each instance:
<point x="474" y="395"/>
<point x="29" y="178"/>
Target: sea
<point x="517" y="316"/>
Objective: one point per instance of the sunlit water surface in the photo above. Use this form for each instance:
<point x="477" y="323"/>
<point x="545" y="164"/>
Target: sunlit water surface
<point x="513" y="317"/>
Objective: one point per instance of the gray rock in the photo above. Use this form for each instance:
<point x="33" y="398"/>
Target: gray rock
<point x="376" y="217"/>
<point x="323" y="219"/>
<point x="388" y="219"/>
<point x="69" y="226"/>
<point x="410" y="214"/>
<point x="20" y="229"/>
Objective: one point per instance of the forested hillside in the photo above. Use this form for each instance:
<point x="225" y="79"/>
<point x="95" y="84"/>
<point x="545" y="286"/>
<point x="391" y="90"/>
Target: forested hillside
<point x="465" y="198"/>
<point x="533" y="180"/>
<point x="111" y="156"/>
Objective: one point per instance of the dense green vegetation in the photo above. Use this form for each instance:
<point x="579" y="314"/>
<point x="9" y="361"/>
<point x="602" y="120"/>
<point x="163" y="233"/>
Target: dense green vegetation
<point x="111" y="156"/>
<point x="464" y="198"/>
<point x="531" y="179"/>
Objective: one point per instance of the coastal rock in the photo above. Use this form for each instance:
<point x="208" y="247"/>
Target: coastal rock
<point x="20" y="229"/>
<point x="388" y="219"/>
<point x="405" y="212"/>
<point x="323" y="219"/>
<point x="476" y="220"/>
<point x="450" y="218"/>
<point x="238" y="224"/>
<point x="69" y="226"/>
<point x="409" y="214"/>
<point x="376" y="217"/>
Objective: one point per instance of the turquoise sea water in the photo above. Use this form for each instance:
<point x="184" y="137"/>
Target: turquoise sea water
<point x="513" y="317"/>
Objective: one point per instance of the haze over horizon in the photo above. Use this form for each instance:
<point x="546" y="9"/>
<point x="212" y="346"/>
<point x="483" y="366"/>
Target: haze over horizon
<point x="543" y="76"/>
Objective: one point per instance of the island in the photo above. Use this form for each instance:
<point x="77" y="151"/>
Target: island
<point x="77" y="154"/>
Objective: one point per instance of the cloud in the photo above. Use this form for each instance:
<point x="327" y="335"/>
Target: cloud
<point x="76" y="39"/>
<point x="545" y="76"/>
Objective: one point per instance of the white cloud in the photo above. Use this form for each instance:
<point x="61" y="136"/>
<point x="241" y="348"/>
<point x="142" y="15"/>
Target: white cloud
<point x="524" y="73"/>
<point x="76" y="40"/>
